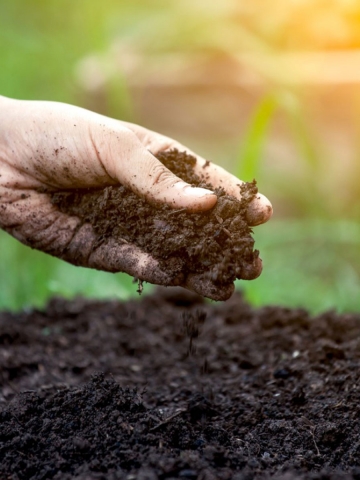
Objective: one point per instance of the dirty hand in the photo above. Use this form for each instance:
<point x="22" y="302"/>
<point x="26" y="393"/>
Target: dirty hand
<point x="47" y="146"/>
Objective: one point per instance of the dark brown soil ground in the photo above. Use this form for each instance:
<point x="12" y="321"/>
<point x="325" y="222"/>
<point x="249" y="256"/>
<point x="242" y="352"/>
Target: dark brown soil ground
<point x="189" y="390"/>
<point x="216" y="243"/>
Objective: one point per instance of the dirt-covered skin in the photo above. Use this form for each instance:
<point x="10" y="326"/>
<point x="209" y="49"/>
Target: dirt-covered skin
<point x="216" y="244"/>
<point x="86" y="150"/>
<point x="191" y="390"/>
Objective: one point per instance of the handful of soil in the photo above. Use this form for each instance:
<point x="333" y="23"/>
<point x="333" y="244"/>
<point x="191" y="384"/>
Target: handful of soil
<point x="216" y="243"/>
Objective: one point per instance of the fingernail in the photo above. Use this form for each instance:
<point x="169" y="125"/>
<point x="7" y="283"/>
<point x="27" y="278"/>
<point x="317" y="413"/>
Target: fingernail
<point x="197" y="192"/>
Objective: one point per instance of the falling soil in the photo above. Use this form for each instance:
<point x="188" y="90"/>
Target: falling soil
<point x="216" y="243"/>
<point x="189" y="390"/>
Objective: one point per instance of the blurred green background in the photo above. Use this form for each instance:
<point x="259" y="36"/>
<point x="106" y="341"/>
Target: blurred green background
<point x="270" y="92"/>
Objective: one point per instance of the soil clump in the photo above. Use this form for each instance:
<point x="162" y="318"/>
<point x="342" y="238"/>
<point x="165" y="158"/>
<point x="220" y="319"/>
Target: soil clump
<point x="259" y="393"/>
<point x="216" y="243"/>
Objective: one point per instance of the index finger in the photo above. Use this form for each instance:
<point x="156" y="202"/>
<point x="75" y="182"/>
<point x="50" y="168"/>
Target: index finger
<point x="259" y="210"/>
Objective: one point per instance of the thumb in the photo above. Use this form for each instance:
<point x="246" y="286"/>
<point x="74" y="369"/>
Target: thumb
<point x="159" y="184"/>
<point x="145" y="175"/>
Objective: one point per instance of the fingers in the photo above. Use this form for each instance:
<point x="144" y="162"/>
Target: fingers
<point x="203" y="286"/>
<point x="259" y="210"/>
<point x="112" y="257"/>
<point x="250" y="271"/>
<point x="30" y="217"/>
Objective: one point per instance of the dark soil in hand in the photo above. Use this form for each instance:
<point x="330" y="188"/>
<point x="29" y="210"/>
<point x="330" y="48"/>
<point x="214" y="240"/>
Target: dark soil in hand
<point x="190" y="390"/>
<point x="217" y="242"/>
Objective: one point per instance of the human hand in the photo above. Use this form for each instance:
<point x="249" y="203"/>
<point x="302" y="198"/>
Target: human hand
<point x="47" y="146"/>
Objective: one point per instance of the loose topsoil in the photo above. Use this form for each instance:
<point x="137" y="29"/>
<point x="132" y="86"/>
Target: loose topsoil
<point x="216" y="243"/>
<point x="188" y="390"/>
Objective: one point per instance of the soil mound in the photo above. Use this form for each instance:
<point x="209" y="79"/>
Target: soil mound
<point x="189" y="390"/>
<point x="217" y="242"/>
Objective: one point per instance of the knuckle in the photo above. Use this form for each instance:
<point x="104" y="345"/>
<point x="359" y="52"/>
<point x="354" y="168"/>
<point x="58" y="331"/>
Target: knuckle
<point x="160" y="176"/>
